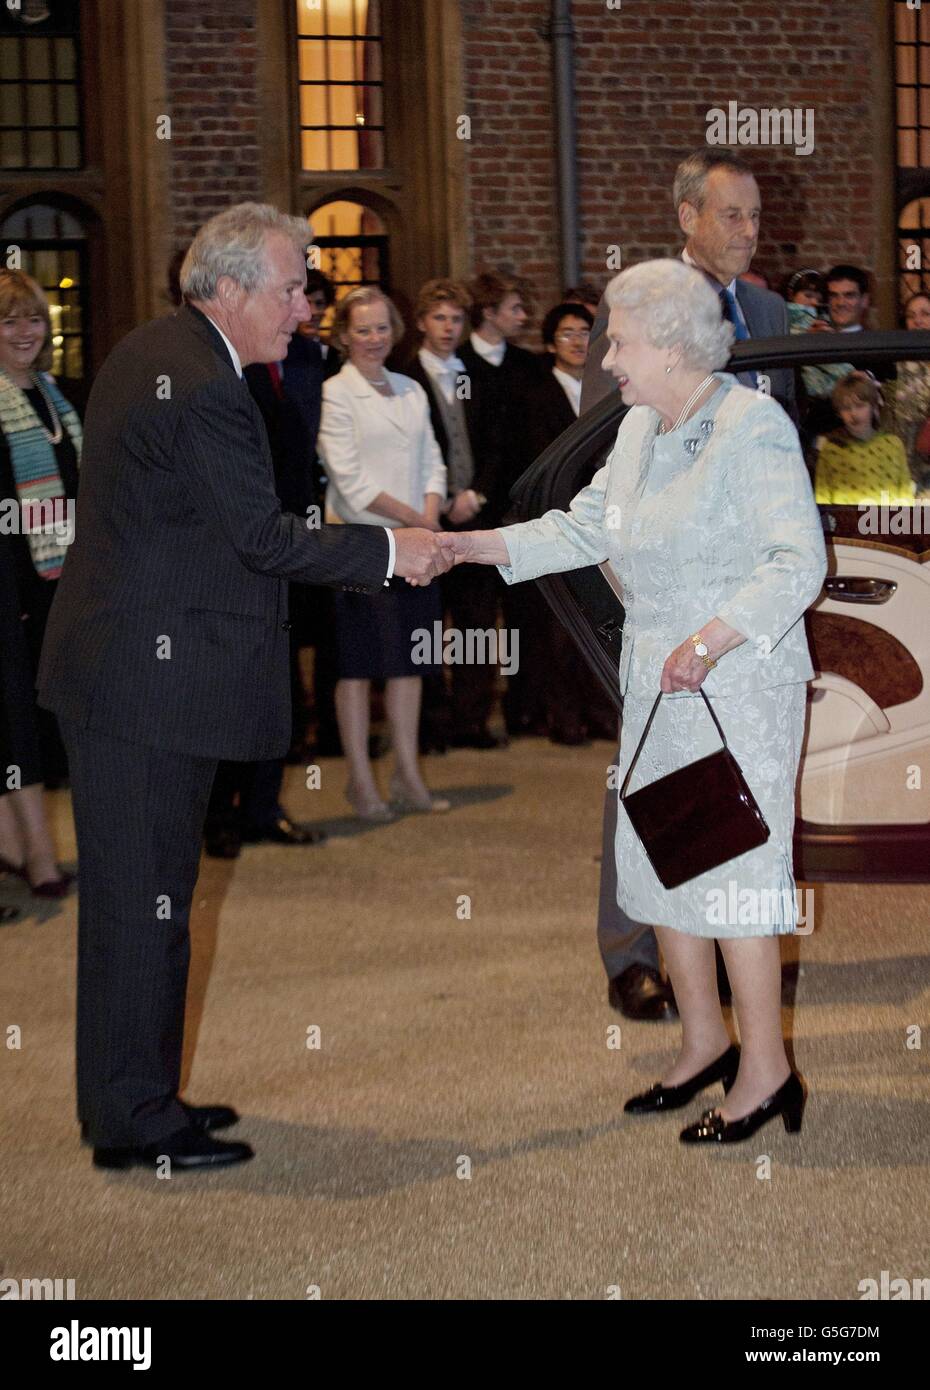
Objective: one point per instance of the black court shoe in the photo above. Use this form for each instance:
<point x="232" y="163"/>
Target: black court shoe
<point x="712" y="1128"/>
<point x="660" y="1097"/>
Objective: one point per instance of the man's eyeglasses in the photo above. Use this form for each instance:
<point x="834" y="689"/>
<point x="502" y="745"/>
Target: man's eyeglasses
<point x="573" y="335"/>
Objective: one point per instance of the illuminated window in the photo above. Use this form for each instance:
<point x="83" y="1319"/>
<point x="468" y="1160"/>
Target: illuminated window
<point x="52" y="249"/>
<point x="353" y="246"/>
<point x="339" y="55"/>
<point x="40" y="122"/>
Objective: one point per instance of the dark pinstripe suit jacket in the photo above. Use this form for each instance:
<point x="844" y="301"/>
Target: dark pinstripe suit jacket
<point x="168" y="627"/>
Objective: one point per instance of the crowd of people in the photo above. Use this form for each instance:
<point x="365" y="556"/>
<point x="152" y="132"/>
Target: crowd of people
<point x="436" y="441"/>
<point x="349" y="504"/>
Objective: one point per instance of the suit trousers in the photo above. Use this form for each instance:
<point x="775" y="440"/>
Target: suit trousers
<point x="622" y="941"/>
<point x="139" y="815"/>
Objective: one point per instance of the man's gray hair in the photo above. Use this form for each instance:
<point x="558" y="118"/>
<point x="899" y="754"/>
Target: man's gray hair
<point x="677" y="308"/>
<point x="690" y="184"/>
<point x="233" y="243"/>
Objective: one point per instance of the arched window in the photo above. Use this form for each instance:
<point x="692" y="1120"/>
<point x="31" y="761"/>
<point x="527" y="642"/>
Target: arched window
<point x="50" y="244"/>
<point x="353" y="245"/>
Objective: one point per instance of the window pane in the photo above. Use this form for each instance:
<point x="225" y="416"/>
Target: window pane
<point x="41" y="149"/>
<point x="11" y="110"/>
<point x="11" y="149"/>
<point x="309" y="17"/>
<point x="9" y="58"/>
<point x="344" y="105"/>
<point x="339" y="16"/>
<point x="907" y="106"/>
<point x="341" y="61"/>
<point x="369" y="62"/>
<point x="371" y="149"/>
<point x="313" y="106"/>
<point x="314" y="150"/>
<point x="906" y="64"/>
<point x="69" y="149"/>
<point x="65" y="58"/>
<point x="345" y="149"/>
<point x="38" y="105"/>
<point x="312" y="66"/>
<point x="38" y="57"/>
<point x="67" y="105"/>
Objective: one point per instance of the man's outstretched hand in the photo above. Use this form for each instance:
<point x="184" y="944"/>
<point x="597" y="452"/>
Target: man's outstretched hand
<point x="420" y="554"/>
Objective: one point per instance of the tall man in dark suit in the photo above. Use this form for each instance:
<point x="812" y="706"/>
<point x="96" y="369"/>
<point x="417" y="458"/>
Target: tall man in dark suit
<point x="167" y="650"/>
<point x="718" y="206"/>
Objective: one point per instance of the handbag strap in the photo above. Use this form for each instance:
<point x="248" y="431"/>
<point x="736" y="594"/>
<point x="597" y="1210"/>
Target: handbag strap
<point x="642" y="740"/>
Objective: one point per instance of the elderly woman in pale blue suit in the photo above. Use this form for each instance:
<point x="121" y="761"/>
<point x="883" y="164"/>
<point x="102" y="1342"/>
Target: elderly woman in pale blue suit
<point x="705" y="511"/>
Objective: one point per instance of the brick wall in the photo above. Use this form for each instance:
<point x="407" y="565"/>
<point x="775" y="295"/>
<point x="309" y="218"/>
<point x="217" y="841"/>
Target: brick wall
<point x="210" y="58"/>
<point x="646" y="75"/>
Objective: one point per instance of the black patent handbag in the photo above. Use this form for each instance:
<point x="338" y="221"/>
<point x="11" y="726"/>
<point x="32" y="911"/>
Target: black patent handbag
<point x="697" y="817"/>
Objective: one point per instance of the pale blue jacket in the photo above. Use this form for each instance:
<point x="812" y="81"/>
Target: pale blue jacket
<point x="735" y="534"/>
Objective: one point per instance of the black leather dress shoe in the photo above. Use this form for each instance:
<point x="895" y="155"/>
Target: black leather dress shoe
<point x="641" y="993"/>
<point x="284" y="831"/>
<point x="188" y="1148"/>
<point x="660" y="1097"/>
<point x="210" y="1116"/>
<point x="712" y="1128"/>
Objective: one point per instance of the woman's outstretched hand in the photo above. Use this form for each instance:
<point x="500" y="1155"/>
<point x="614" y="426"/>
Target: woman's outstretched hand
<point x="477" y="547"/>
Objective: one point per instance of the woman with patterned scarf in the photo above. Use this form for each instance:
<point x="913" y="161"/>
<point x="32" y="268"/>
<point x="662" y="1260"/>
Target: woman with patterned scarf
<point x="40" y="449"/>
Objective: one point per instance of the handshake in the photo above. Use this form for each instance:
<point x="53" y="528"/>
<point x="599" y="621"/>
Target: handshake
<point x="424" y="555"/>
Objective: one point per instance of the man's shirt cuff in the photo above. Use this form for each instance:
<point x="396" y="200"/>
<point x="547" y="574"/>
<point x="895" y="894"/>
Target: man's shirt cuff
<point x="392" y="553"/>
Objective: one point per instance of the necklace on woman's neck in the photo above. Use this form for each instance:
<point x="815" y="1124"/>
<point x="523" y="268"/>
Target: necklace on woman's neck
<point x="686" y="408"/>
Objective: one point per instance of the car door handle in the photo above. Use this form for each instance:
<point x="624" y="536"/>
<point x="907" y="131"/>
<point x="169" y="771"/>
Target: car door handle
<point x="847" y="589"/>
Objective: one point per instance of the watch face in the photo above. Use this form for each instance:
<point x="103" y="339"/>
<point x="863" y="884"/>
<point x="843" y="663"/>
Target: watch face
<point x="701" y="648"/>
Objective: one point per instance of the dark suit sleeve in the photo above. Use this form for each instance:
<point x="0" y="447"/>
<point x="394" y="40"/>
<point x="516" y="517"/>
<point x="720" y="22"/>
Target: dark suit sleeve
<point x="596" y="383"/>
<point x="223" y="466"/>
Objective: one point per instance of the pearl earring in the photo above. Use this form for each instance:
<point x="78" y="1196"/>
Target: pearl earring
<point x="667" y="370"/>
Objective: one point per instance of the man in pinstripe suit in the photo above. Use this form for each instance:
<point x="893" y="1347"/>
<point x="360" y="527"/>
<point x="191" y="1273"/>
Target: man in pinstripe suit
<point x="167" y="650"/>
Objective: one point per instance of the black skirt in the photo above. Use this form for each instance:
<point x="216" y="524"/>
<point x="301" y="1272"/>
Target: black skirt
<point x="386" y="635"/>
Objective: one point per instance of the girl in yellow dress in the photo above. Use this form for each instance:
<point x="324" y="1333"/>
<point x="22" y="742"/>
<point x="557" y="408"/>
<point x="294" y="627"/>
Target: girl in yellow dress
<point x="858" y="462"/>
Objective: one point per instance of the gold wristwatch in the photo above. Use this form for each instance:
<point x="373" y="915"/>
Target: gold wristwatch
<point x="700" y="647"/>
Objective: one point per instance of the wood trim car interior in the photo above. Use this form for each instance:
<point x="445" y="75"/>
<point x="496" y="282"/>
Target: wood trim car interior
<point x="867" y="655"/>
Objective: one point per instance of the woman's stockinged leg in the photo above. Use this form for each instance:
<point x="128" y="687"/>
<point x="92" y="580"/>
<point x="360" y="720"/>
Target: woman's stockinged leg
<point x="692" y="967"/>
<point x="353" y="714"/>
<point x="402" y="696"/>
<point x="754" y="969"/>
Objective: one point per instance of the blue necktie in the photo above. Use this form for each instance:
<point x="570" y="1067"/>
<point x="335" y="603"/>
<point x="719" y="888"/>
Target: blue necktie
<point x="730" y="312"/>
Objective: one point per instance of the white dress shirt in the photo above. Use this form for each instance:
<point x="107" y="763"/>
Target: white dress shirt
<point x="491" y="352"/>
<point x="571" y="385"/>
<point x="444" y="371"/>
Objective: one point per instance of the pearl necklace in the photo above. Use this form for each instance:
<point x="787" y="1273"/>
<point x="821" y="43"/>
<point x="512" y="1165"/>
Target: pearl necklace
<point x="687" y="406"/>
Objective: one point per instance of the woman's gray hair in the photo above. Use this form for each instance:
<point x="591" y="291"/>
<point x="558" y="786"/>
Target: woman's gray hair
<point x="233" y="243"/>
<point x="677" y="308"/>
